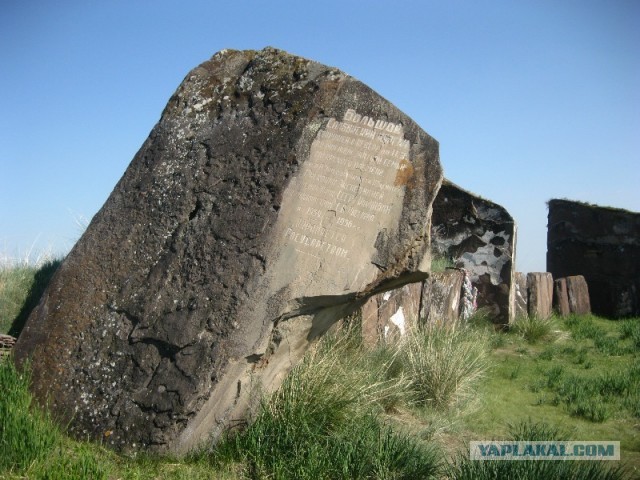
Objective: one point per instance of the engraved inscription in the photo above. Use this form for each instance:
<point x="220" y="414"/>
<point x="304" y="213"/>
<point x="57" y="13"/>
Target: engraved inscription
<point x="347" y="191"/>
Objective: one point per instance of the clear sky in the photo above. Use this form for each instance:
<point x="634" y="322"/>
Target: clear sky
<point x="530" y="100"/>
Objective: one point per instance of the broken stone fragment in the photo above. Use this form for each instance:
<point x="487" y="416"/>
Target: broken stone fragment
<point x="441" y="298"/>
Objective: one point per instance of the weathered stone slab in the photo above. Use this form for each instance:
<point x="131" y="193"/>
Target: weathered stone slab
<point x="387" y="316"/>
<point x="561" y="297"/>
<point x="521" y="295"/>
<point x="272" y="198"/>
<point x="441" y="298"/>
<point x="370" y="323"/>
<point x="578" y="295"/>
<point x="436" y="300"/>
<point x="479" y="236"/>
<point x="540" y="288"/>
<point x="603" y="245"/>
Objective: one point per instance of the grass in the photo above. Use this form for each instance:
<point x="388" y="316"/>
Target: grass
<point x="462" y="468"/>
<point x="444" y="366"/>
<point x="402" y="410"/>
<point x="440" y="263"/>
<point x="334" y="415"/>
<point x="534" y="329"/>
<point x="32" y="445"/>
<point x="595" y="397"/>
<point x="584" y="327"/>
<point x="293" y="440"/>
<point x="21" y="287"/>
<point x="573" y="380"/>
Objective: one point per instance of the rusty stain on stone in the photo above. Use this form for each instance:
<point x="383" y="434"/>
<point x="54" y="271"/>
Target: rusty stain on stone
<point x="404" y="173"/>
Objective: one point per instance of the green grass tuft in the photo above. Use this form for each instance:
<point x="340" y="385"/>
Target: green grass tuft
<point x="322" y="423"/>
<point x="440" y="263"/>
<point x="534" y="329"/>
<point x="583" y="326"/>
<point x="630" y="329"/>
<point x="31" y="443"/>
<point x="21" y="287"/>
<point x="461" y="468"/>
<point x="594" y="397"/>
<point x="25" y="436"/>
<point x="445" y="366"/>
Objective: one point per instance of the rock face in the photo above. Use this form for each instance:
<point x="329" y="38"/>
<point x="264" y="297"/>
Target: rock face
<point x="479" y="236"/>
<point x="540" y="294"/>
<point x="272" y="198"/>
<point x="603" y="245"/>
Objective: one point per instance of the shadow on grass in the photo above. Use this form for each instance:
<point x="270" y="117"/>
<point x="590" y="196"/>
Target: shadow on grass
<point x="41" y="280"/>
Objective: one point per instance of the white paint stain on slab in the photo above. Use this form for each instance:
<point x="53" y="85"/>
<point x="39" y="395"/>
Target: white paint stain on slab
<point x="398" y="320"/>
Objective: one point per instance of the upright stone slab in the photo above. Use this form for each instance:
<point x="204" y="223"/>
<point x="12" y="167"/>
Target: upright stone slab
<point x="435" y="301"/>
<point x="561" y="297"/>
<point x="441" y="298"/>
<point x="521" y="300"/>
<point x="272" y="198"/>
<point x="479" y="236"/>
<point x="603" y="245"/>
<point x="578" y="295"/>
<point x="370" y="323"/>
<point x="540" y="288"/>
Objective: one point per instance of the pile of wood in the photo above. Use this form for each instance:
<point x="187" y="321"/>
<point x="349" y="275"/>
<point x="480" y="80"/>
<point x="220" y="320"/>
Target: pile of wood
<point x="6" y="344"/>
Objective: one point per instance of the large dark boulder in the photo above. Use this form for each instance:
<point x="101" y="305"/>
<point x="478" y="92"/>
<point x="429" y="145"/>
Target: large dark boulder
<point x="603" y="245"/>
<point x="479" y="236"/>
<point x="272" y="198"/>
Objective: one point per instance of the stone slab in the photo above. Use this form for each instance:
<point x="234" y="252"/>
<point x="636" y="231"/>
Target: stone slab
<point x="441" y="298"/>
<point x="540" y="288"/>
<point x="578" y="295"/>
<point x="561" y="297"/>
<point x="479" y="236"/>
<point x="386" y="317"/>
<point x="273" y="197"/>
<point x="521" y="295"/>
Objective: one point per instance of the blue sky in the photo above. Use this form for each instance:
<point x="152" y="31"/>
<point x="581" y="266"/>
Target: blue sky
<point x="530" y="100"/>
